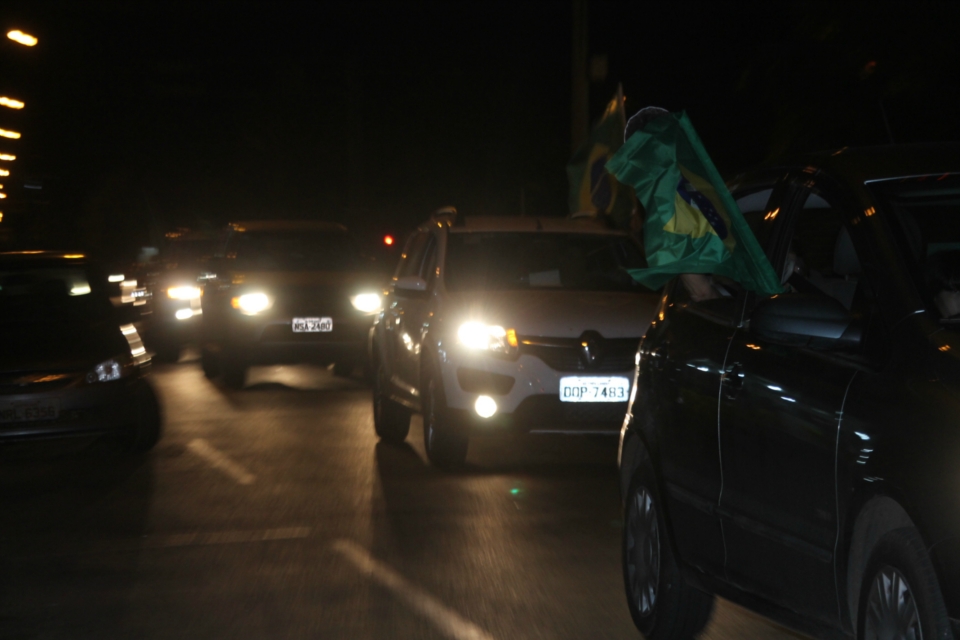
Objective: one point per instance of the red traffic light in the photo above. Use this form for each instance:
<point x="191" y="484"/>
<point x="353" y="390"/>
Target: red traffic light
<point x="388" y="240"/>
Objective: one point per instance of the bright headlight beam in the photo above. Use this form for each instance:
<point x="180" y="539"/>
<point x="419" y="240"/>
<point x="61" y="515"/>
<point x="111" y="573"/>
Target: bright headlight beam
<point x="251" y="303"/>
<point x="366" y="302"/>
<point x="117" y="277"/>
<point x="476" y="335"/>
<point x="183" y="293"/>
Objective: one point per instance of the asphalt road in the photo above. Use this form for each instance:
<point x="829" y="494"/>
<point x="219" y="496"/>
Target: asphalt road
<point x="273" y="512"/>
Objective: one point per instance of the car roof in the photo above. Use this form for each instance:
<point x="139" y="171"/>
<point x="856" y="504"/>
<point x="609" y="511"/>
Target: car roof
<point x="287" y="225"/>
<point x="886" y="162"/>
<point x="469" y="224"/>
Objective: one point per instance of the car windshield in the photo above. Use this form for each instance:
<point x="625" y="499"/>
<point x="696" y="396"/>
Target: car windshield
<point x="31" y="293"/>
<point x="295" y="250"/>
<point x="928" y="211"/>
<point x="501" y="261"/>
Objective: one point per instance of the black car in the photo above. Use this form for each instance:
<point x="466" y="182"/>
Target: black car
<point x="800" y="453"/>
<point x="287" y="292"/>
<point x="173" y="285"/>
<point x="69" y="365"/>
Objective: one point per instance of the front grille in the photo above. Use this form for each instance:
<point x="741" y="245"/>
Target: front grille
<point x="35" y="383"/>
<point x="568" y="355"/>
<point x="548" y="413"/>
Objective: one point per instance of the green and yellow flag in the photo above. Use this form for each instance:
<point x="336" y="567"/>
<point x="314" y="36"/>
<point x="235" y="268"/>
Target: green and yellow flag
<point x="592" y="188"/>
<point x="693" y="224"/>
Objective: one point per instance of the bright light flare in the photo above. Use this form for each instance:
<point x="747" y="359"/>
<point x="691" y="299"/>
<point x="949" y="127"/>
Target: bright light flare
<point x="10" y="102"/>
<point x="4" y="173"/>
<point x="476" y="335"/>
<point x="388" y="240"/>
<point x="13" y="135"/>
<point x="485" y="407"/>
<point x="251" y="303"/>
<point x="2" y="196"/>
<point x="184" y="293"/>
<point x="9" y="157"/>
<point x="366" y="302"/>
<point x="80" y="289"/>
<point x="117" y="277"/>
<point x="184" y="314"/>
<point x="20" y="37"/>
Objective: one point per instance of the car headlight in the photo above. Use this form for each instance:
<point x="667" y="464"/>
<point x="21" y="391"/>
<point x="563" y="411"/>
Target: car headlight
<point x="487" y="337"/>
<point x="184" y="293"/>
<point x="366" y="302"/>
<point x="251" y="303"/>
<point x="112" y="369"/>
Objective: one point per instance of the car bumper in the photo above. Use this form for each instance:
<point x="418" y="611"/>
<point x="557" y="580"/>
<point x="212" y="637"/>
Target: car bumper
<point x="83" y="410"/>
<point x="248" y="342"/>
<point x="527" y="393"/>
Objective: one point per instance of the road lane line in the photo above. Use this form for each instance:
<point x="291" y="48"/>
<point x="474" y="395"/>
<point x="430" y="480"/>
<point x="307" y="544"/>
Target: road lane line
<point x="448" y="621"/>
<point x="219" y="460"/>
<point x="225" y="537"/>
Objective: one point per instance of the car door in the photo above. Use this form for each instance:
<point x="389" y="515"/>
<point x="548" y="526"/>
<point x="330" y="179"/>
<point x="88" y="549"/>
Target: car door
<point x="780" y="408"/>
<point x="398" y="347"/>
<point x="688" y="347"/>
<point x="415" y="312"/>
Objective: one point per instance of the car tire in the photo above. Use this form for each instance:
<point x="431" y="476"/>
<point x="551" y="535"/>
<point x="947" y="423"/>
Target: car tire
<point x="148" y="427"/>
<point x="900" y="568"/>
<point x="344" y="368"/>
<point x="168" y="352"/>
<point x="662" y="604"/>
<point x="209" y="363"/>
<point x="391" y="420"/>
<point x="445" y="441"/>
<point x="233" y="373"/>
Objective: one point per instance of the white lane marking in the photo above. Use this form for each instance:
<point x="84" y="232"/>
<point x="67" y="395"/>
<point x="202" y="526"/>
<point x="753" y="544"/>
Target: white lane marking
<point x="449" y="622"/>
<point x="225" y="537"/>
<point x="219" y="460"/>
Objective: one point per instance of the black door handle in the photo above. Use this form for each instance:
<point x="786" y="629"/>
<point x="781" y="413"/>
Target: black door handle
<point x="732" y="381"/>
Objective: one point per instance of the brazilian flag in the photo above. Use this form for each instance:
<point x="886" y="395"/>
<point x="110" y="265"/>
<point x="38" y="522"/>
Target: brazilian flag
<point x="592" y="188"/>
<point x="693" y="224"/>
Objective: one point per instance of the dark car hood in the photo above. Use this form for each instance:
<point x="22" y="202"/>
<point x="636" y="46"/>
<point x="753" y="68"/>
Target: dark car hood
<point x="57" y="346"/>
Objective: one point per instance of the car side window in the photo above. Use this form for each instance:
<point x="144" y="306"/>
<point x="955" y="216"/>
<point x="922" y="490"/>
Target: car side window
<point x="412" y="257"/>
<point x="429" y="261"/>
<point x="756" y="210"/>
<point x="822" y="259"/>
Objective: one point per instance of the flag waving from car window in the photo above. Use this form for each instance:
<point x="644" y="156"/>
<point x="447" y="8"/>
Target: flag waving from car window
<point x="693" y="225"/>
<point x="592" y="188"/>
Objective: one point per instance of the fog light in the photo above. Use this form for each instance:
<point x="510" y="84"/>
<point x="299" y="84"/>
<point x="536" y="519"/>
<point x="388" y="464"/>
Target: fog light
<point x="184" y="314"/>
<point x="485" y="406"/>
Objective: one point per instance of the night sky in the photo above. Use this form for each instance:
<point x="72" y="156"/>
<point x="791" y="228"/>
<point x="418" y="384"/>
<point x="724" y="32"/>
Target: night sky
<point x="144" y="116"/>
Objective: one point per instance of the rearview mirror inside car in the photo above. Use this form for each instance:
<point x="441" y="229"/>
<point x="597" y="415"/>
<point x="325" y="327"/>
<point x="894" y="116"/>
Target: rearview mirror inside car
<point x="803" y="319"/>
<point x="410" y="285"/>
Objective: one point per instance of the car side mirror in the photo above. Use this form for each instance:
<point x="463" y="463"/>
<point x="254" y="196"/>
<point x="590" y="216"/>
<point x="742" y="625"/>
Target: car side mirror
<point x="411" y="286"/>
<point x="803" y="319"/>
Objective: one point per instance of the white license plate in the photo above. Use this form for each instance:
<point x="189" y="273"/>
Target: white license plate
<point x="29" y="411"/>
<point x="312" y="325"/>
<point x="594" y="389"/>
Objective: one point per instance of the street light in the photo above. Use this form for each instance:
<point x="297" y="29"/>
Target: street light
<point x="8" y="156"/>
<point x="10" y="102"/>
<point x="4" y="173"/>
<point x="13" y="135"/>
<point x="25" y="39"/>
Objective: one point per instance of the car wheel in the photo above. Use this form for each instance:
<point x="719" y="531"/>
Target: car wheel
<point x="391" y="420"/>
<point x="662" y="604"/>
<point x="900" y="596"/>
<point x="344" y="368"/>
<point x="445" y="442"/>
<point x="209" y="363"/>
<point x="148" y="427"/>
<point x="167" y="351"/>
<point x="234" y="374"/>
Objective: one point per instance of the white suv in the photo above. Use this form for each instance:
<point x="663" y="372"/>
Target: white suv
<point x="529" y="324"/>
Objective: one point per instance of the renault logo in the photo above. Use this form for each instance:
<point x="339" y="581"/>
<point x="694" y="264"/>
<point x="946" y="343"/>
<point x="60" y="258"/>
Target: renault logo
<point x="591" y="348"/>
